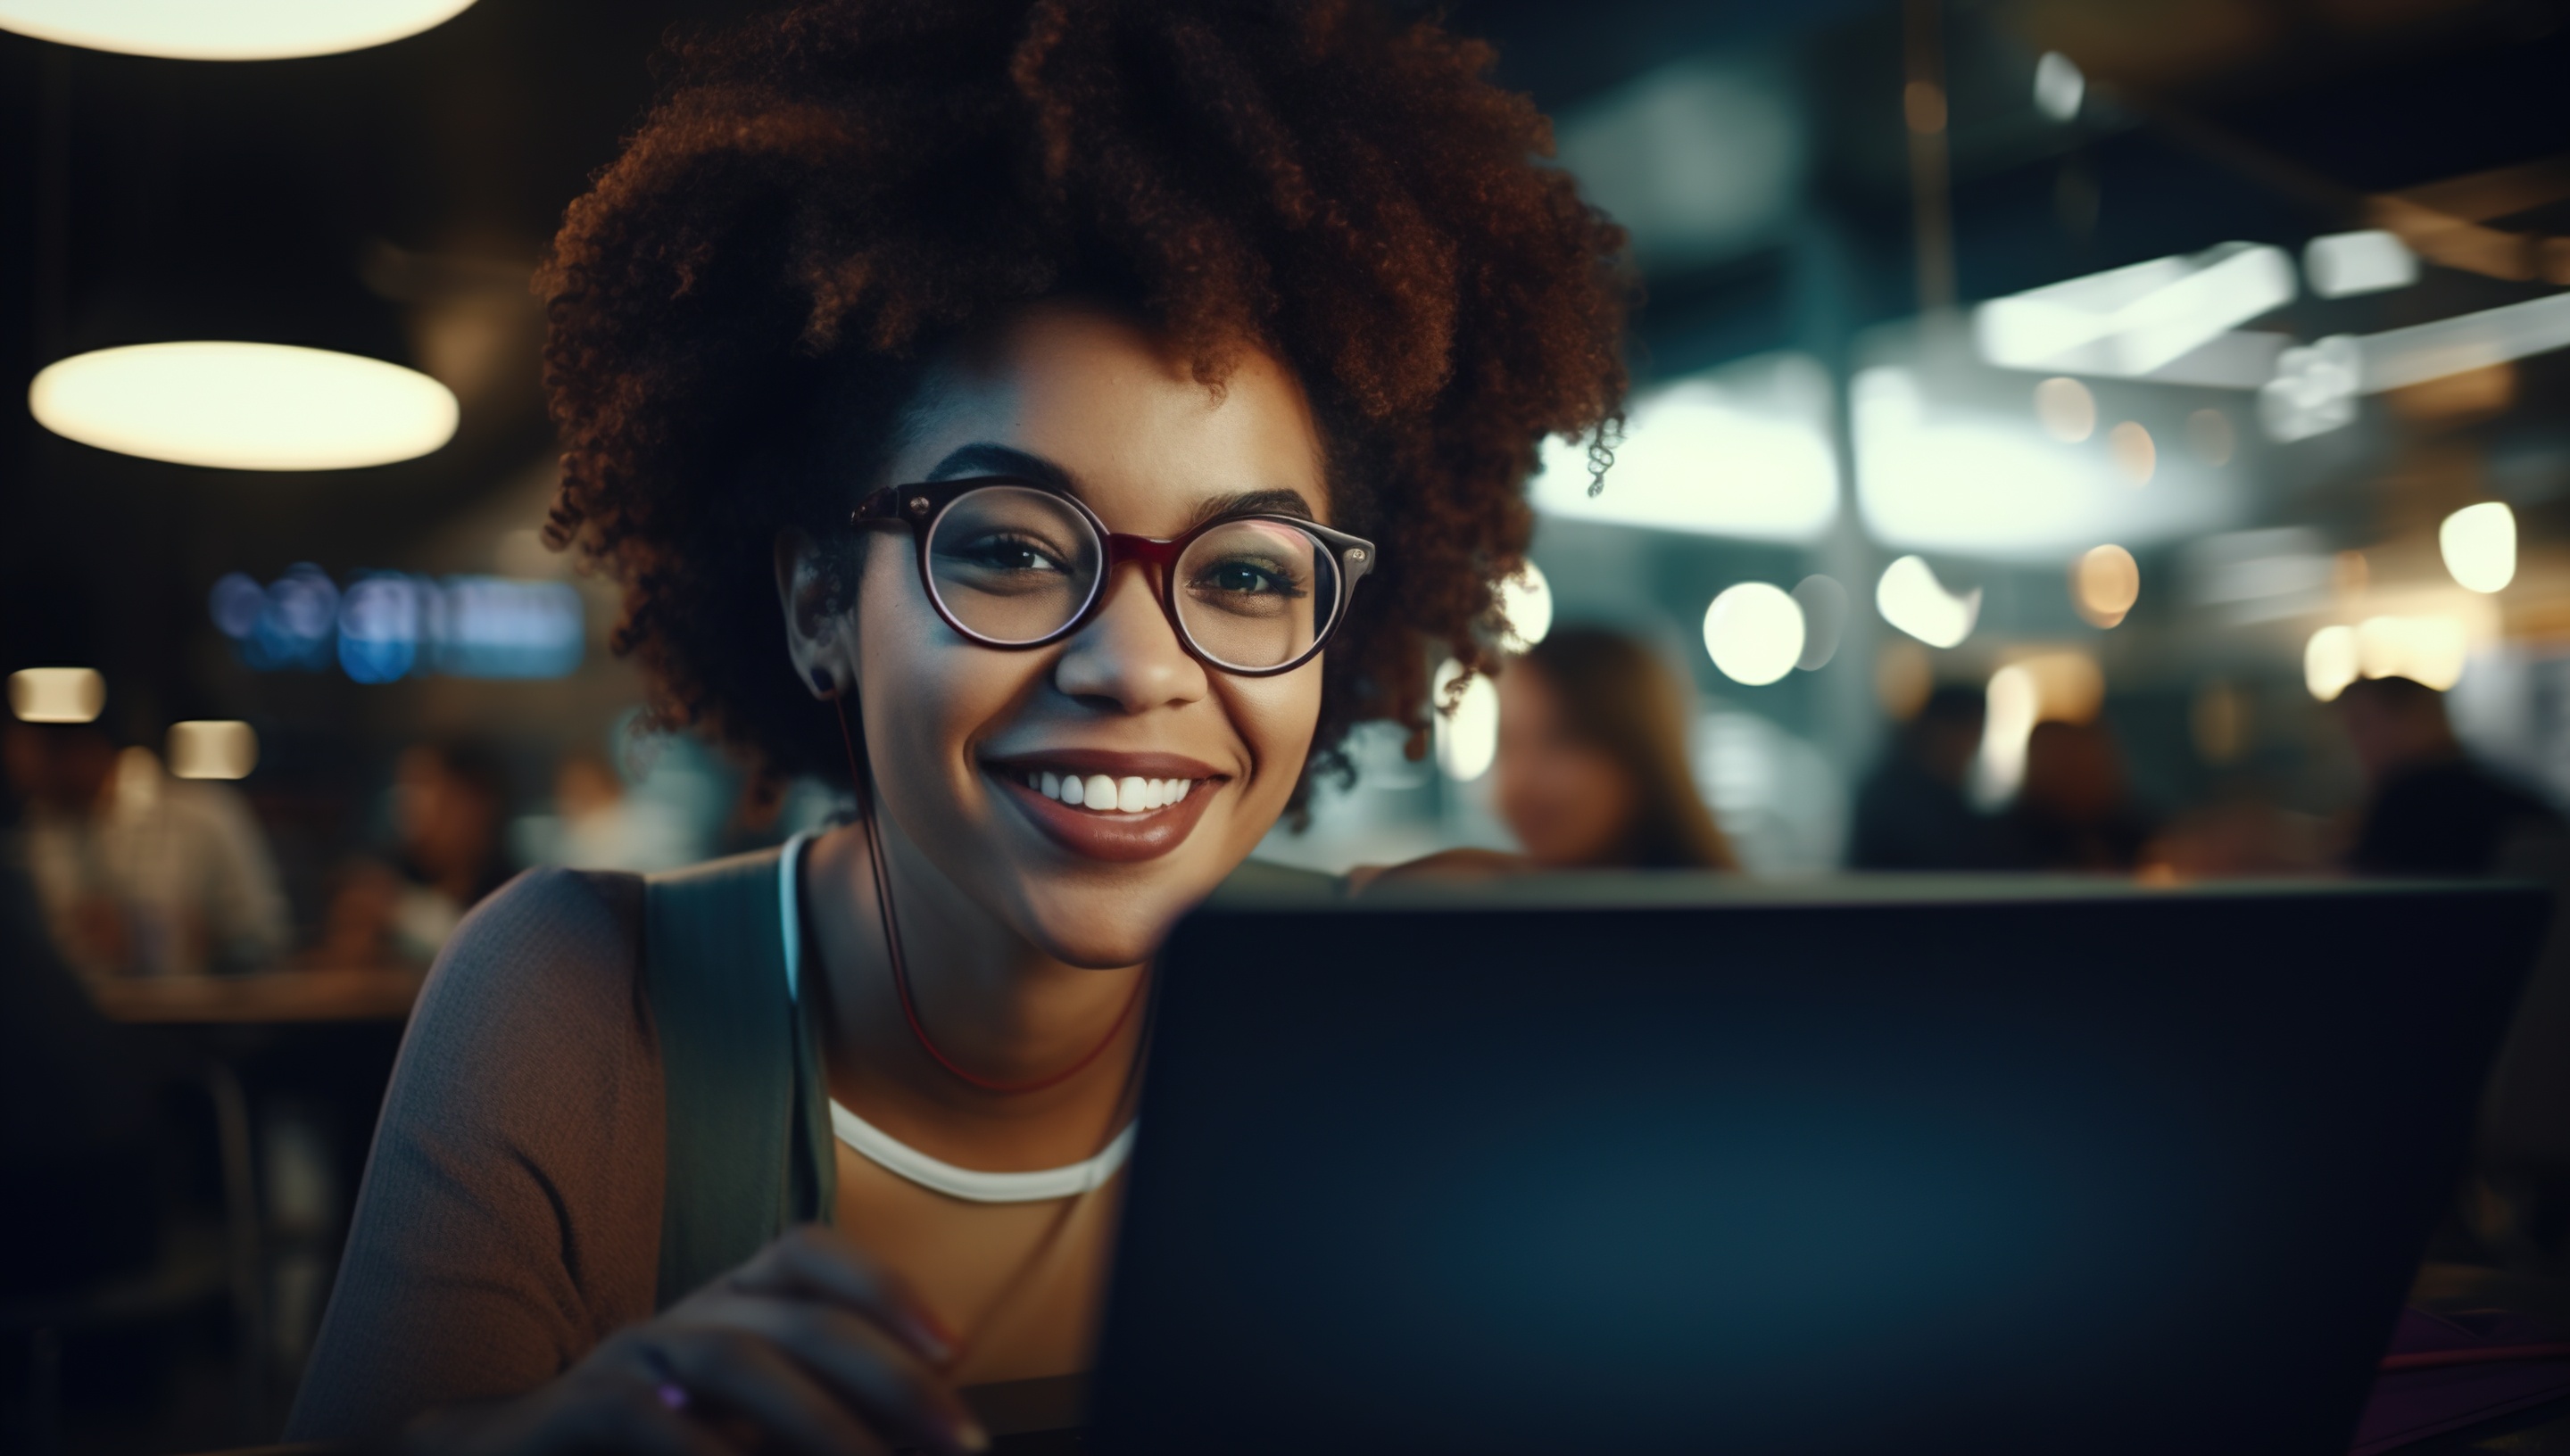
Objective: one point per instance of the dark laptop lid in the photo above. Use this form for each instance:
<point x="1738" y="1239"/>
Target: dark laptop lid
<point x="1629" y="1164"/>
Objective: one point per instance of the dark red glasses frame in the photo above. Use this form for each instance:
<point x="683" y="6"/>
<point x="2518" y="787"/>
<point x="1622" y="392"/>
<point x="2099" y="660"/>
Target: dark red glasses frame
<point x="919" y="507"/>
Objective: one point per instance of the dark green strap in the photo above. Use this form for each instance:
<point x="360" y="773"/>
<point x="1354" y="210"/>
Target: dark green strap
<point x="741" y="1071"/>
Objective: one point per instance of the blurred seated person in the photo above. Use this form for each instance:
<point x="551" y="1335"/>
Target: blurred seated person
<point x="2074" y="811"/>
<point x="2429" y="808"/>
<point x="1911" y="813"/>
<point x="139" y="873"/>
<point x="1593" y="759"/>
<point x="362" y="927"/>
<point x="598" y="825"/>
<point x="449" y="803"/>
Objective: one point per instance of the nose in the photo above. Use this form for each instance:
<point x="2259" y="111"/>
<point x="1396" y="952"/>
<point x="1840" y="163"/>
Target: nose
<point x="1128" y="659"/>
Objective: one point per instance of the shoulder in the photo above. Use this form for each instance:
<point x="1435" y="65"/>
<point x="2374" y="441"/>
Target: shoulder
<point x="537" y="981"/>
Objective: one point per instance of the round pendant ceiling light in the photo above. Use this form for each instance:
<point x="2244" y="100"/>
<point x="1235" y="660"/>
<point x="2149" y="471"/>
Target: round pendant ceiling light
<point x="243" y="405"/>
<point x="225" y="30"/>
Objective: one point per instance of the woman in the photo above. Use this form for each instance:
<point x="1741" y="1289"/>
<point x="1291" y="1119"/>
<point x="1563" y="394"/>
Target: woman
<point x="1593" y="764"/>
<point x="897" y="335"/>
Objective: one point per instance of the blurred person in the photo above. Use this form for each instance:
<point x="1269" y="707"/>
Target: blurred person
<point x="142" y="872"/>
<point x="1910" y="812"/>
<point x="450" y="802"/>
<point x="598" y="824"/>
<point x="361" y="922"/>
<point x="1074" y="450"/>
<point x="2073" y="811"/>
<point x="1592" y="768"/>
<point x="2430" y="808"/>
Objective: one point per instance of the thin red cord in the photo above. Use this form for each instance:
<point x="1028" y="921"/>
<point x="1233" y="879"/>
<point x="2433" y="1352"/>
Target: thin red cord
<point x="900" y="967"/>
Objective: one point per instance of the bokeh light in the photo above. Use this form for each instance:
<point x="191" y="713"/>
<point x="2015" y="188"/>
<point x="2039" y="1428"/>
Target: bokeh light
<point x="1824" y="614"/>
<point x="2047" y="687"/>
<point x="2429" y="649"/>
<point x="1912" y="598"/>
<point x="2058" y="86"/>
<point x="2329" y="662"/>
<point x="2104" y="584"/>
<point x="1469" y="737"/>
<point x="57" y="694"/>
<point x="210" y="748"/>
<point x="2066" y="409"/>
<point x="1754" y="634"/>
<point x="2479" y="546"/>
<point x="1525" y="599"/>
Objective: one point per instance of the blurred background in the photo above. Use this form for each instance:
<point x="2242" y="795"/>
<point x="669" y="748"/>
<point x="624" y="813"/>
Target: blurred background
<point x="2113" y="435"/>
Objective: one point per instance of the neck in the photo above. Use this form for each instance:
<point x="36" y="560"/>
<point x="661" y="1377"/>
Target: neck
<point x="993" y="1004"/>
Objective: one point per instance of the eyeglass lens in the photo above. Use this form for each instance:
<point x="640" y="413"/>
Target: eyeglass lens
<point x="1014" y="566"/>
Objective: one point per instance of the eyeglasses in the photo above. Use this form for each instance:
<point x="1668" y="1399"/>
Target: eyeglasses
<point x="1015" y="563"/>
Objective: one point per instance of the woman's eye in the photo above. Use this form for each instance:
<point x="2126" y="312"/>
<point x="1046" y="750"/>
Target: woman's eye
<point x="1008" y="553"/>
<point x="1248" y="578"/>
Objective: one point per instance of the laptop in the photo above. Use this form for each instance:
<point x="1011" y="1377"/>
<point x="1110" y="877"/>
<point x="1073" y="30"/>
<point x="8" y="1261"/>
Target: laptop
<point x="1657" y="1164"/>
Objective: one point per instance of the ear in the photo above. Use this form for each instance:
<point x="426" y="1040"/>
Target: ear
<point x="820" y="599"/>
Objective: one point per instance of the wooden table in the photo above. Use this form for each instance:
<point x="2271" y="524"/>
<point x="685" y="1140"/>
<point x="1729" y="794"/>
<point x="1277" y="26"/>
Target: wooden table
<point x="268" y="997"/>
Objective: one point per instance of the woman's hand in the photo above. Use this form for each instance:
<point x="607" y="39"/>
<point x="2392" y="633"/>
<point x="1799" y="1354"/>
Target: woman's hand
<point x="811" y="1348"/>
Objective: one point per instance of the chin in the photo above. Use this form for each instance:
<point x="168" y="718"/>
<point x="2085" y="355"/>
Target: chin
<point x="1102" y="943"/>
<point x="1100" y="928"/>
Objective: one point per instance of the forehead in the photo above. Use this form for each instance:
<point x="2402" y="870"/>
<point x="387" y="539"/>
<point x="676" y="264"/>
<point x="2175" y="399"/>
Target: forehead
<point x="1098" y="396"/>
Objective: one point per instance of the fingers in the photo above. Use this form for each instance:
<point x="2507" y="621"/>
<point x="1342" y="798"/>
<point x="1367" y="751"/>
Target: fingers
<point x="863" y="1365"/>
<point x="738" y="1373"/>
<point x="813" y="1263"/>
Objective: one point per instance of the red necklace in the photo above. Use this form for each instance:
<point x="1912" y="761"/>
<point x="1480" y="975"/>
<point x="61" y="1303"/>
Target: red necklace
<point x="901" y="969"/>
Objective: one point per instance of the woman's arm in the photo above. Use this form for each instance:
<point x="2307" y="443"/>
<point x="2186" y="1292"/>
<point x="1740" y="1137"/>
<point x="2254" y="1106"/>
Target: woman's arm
<point x="510" y="1218"/>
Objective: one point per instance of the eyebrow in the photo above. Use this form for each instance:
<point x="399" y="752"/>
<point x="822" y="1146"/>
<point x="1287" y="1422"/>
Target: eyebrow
<point x="983" y="458"/>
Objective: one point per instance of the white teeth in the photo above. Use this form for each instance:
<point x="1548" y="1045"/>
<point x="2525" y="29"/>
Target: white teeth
<point x="1131" y="793"/>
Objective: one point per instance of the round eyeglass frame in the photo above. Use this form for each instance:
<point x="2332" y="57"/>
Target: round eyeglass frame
<point x="919" y="507"/>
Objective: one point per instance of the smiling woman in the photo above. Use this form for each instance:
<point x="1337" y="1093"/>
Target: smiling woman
<point x="1061" y="422"/>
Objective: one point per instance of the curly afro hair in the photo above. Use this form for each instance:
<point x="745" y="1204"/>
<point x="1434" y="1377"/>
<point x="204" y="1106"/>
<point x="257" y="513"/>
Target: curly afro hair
<point x="744" y="305"/>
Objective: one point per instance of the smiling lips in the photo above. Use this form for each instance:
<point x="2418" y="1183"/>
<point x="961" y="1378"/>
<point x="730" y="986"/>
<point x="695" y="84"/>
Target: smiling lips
<point x="1121" y="808"/>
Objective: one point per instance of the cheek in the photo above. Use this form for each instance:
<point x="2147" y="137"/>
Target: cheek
<point x="1274" y="717"/>
<point x="928" y="695"/>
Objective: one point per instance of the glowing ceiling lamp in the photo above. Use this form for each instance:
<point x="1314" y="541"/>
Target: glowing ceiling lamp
<point x="235" y="30"/>
<point x="243" y="405"/>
